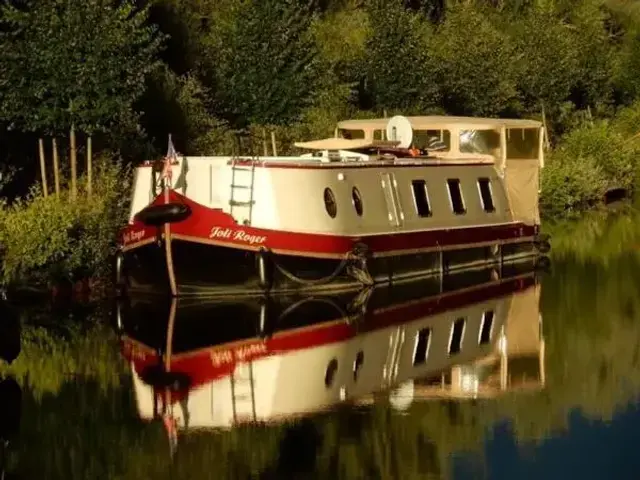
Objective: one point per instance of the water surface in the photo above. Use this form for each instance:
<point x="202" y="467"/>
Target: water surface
<point x="78" y="413"/>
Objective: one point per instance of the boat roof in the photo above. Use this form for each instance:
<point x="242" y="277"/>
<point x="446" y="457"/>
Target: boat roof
<point x="333" y="143"/>
<point x="442" y="122"/>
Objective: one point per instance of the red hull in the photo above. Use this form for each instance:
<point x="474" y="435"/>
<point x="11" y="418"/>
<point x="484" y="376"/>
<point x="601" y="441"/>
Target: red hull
<point x="210" y="239"/>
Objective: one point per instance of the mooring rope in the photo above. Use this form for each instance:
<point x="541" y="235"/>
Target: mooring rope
<point x="312" y="282"/>
<point x="359" y="272"/>
<point x="326" y="301"/>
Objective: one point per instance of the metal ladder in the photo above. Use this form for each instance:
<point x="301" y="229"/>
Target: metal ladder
<point x="240" y="186"/>
<point x="243" y="393"/>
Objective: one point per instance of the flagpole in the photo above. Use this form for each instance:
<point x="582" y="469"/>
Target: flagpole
<point x="167" y="174"/>
<point x="167" y="169"/>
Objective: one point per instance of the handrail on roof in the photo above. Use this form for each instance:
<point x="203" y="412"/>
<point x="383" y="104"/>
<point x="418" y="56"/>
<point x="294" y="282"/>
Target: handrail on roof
<point x="442" y="121"/>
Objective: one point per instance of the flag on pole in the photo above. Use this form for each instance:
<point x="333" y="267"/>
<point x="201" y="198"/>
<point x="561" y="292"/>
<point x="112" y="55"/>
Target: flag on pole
<point x="171" y="157"/>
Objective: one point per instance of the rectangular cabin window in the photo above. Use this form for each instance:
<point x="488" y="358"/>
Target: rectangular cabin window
<point x="486" y="327"/>
<point x="378" y="134"/>
<point x="523" y="143"/>
<point x="485" y="142"/>
<point x="423" y="340"/>
<point x="457" y="333"/>
<point x="435" y="140"/>
<point x="484" y="186"/>
<point x="421" y="197"/>
<point x="350" y="134"/>
<point x="455" y="196"/>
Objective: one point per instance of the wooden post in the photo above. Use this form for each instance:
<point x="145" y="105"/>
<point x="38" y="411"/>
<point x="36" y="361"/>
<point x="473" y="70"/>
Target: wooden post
<point x="546" y="132"/>
<point x="89" y="166"/>
<point x="74" y="173"/>
<point x="264" y="142"/>
<point x="56" y="166"/>
<point x="43" y="170"/>
<point x="273" y="143"/>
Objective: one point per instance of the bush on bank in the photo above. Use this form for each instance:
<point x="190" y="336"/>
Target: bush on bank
<point x="46" y="240"/>
<point x="589" y="161"/>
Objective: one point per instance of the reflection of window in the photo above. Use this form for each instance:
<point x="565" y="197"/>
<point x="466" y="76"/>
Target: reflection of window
<point x="439" y="140"/>
<point x="484" y="186"/>
<point x="351" y="134"/>
<point x="357" y="364"/>
<point x="480" y="141"/>
<point x="422" y="346"/>
<point x="357" y="200"/>
<point x="330" y="203"/>
<point x="330" y="373"/>
<point x="455" y="195"/>
<point x="523" y="143"/>
<point x="486" y="328"/>
<point x="421" y="197"/>
<point x="457" y="331"/>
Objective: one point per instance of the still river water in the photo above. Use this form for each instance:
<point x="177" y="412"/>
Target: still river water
<point x="77" y="418"/>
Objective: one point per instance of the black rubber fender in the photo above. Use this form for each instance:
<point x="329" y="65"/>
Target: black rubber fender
<point x="157" y="377"/>
<point x="156" y="215"/>
<point x="543" y="247"/>
<point x="265" y="267"/>
<point x="543" y="264"/>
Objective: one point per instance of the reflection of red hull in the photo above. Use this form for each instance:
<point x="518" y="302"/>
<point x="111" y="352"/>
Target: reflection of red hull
<point x="208" y="364"/>
<point x="209" y="251"/>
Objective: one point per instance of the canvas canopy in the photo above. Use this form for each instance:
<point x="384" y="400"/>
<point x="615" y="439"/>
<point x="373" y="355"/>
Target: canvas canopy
<point x="335" y="144"/>
<point x="436" y="122"/>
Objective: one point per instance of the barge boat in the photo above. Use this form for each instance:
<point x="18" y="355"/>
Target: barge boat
<point x="385" y="200"/>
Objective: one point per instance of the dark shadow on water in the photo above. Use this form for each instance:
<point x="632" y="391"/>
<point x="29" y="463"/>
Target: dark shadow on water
<point x="9" y="333"/>
<point x="299" y="449"/>
<point x="10" y="415"/>
<point x="11" y="401"/>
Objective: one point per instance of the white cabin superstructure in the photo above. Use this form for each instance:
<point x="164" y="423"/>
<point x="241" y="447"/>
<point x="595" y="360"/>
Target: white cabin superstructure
<point x="290" y="199"/>
<point x="514" y="146"/>
<point x="476" y="186"/>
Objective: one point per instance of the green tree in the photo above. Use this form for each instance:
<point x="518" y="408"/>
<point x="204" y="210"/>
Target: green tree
<point x="73" y="65"/>
<point x="475" y="62"/>
<point x="546" y="62"/>
<point x="264" y="68"/>
<point x="398" y="67"/>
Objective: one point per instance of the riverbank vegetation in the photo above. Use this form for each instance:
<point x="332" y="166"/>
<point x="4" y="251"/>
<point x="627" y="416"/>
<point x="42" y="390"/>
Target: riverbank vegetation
<point x="117" y="77"/>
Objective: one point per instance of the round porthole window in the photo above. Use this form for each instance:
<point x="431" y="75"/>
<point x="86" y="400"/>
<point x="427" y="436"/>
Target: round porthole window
<point x="356" y="198"/>
<point x="330" y="203"/>
<point x="330" y="374"/>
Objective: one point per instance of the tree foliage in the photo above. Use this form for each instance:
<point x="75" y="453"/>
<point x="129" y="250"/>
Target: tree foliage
<point x="302" y="65"/>
<point x="70" y="63"/>
<point x="265" y="66"/>
<point x="398" y="66"/>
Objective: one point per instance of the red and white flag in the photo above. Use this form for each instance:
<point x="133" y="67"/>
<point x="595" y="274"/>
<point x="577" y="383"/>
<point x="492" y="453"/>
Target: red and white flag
<point x="169" y="159"/>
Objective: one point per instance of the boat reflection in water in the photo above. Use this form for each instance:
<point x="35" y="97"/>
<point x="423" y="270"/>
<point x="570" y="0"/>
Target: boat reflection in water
<point x="217" y="364"/>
